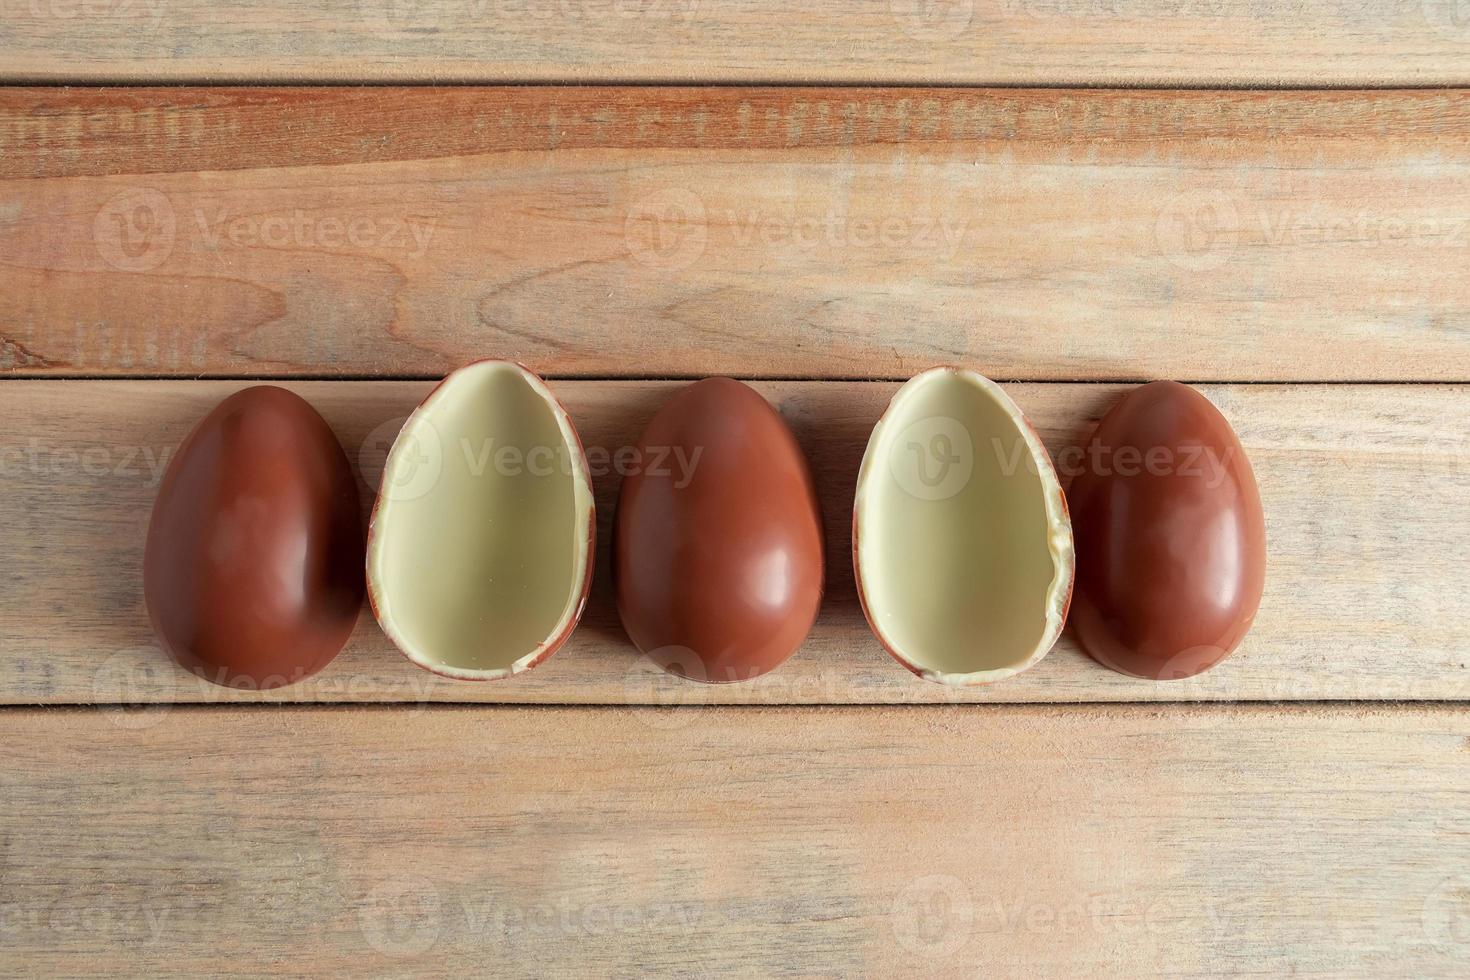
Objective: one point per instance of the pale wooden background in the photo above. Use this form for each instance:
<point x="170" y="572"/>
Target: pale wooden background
<point x="1290" y="212"/>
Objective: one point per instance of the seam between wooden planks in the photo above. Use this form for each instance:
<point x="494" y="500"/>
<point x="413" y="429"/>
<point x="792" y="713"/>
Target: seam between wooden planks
<point x="615" y="81"/>
<point x="756" y="378"/>
<point x="1061" y="708"/>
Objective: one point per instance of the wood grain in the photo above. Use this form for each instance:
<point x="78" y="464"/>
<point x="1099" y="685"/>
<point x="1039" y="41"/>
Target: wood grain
<point x="831" y="233"/>
<point x="1368" y="526"/>
<point x="943" y="841"/>
<point x="1011" y="42"/>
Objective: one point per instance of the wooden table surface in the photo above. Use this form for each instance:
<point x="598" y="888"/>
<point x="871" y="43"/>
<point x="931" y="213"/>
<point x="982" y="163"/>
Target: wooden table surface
<point x="1271" y="201"/>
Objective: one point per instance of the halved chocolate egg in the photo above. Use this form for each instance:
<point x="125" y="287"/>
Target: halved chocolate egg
<point x="480" y="548"/>
<point x="961" y="543"/>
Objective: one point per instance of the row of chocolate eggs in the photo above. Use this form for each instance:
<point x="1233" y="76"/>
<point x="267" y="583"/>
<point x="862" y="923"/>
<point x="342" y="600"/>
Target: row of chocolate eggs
<point x="961" y="538"/>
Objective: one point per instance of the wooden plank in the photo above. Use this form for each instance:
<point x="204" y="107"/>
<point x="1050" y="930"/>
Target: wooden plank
<point x="1230" y="236"/>
<point x="1368" y="525"/>
<point x="1011" y="42"/>
<point x="1078" y="841"/>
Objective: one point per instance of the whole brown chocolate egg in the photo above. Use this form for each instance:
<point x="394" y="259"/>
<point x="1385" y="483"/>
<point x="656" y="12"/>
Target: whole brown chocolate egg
<point x="1170" y="536"/>
<point x="253" y="571"/>
<point x="717" y="548"/>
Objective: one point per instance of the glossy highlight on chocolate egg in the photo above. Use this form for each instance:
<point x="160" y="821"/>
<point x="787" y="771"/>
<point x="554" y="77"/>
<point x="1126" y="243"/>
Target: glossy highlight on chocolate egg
<point x="1170" y="536"/>
<point x="718" y="560"/>
<point x="252" y="572"/>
